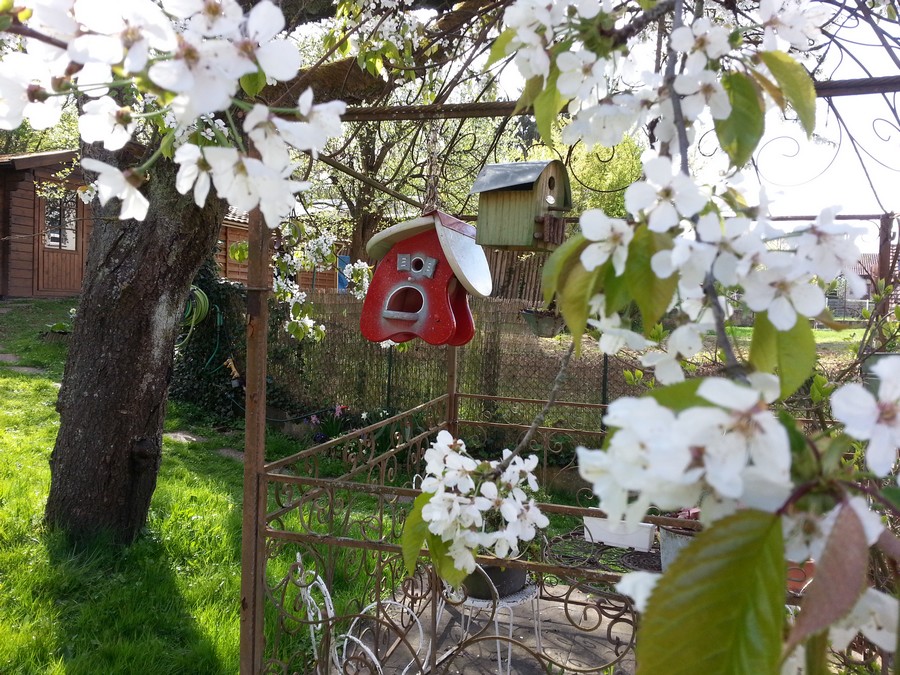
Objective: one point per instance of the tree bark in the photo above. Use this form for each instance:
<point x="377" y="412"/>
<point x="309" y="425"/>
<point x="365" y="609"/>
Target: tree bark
<point x="113" y="396"/>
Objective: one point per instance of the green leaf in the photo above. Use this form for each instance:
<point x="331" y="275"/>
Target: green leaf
<point x="443" y="561"/>
<point x="740" y="132"/>
<point x="651" y="293"/>
<point x="415" y="530"/>
<point x="770" y="87"/>
<point x="680" y="396"/>
<point x="547" y="105"/>
<point x="253" y="83"/>
<point x="817" y="655"/>
<point x="719" y="607"/>
<point x="578" y="288"/>
<point x="892" y="494"/>
<point x="790" y="354"/>
<point x="498" y="49"/>
<point x="533" y="87"/>
<point x="796" y="356"/>
<point x="560" y="261"/>
<point x="763" y="348"/>
<point x="615" y="288"/>
<point x="796" y="84"/>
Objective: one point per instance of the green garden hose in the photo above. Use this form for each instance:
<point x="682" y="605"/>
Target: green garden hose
<point x="195" y="311"/>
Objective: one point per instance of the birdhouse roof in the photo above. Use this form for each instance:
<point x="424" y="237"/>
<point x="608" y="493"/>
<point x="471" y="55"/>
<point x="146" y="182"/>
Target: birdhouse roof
<point x="514" y="174"/>
<point x="465" y="257"/>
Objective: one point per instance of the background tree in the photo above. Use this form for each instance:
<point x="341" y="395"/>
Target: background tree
<point x="113" y="397"/>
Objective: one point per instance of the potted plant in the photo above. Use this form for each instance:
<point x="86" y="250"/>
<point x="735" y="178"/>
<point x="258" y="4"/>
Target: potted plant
<point x="468" y="507"/>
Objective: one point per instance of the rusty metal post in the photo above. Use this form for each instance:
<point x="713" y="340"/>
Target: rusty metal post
<point x="452" y="390"/>
<point x="885" y="226"/>
<point x="253" y="567"/>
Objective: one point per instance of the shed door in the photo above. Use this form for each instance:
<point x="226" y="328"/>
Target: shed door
<point x="61" y="244"/>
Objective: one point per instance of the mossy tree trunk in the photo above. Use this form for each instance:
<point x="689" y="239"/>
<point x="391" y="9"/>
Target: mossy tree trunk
<point x="113" y="396"/>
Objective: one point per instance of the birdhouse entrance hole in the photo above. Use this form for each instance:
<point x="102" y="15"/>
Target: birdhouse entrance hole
<point x="405" y="303"/>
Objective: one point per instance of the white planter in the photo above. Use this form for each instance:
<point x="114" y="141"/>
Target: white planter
<point x="619" y="534"/>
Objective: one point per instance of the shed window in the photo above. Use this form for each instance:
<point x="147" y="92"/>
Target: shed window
<point x="59" y="222"/>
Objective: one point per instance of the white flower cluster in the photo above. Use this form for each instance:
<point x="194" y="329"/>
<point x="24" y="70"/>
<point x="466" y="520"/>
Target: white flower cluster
<point x="359" y="274"/>
<point x="476" y="504"/>
<point x="734" y="450"/>
<point x="193" y="53"/>
<point x="784" y="282"/>
<point x="602" y="106"/>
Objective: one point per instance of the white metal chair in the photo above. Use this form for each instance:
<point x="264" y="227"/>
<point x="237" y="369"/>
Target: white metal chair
<point x="472" y="606"/>
<point x="343" y="648"/>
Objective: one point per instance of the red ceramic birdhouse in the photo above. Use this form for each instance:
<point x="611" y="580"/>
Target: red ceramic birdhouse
<point x="428" y="267"/>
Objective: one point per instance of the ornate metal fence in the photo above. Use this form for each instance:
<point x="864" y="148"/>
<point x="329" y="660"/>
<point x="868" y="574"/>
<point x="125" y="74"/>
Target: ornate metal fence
<point x="337" y="596"/>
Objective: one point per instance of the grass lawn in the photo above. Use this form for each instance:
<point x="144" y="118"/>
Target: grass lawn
<point x="167" y="604"/>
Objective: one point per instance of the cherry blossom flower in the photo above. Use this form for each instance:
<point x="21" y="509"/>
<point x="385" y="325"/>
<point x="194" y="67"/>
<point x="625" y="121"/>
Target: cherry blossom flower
<point x="121" y="33"/>
<point x="581" y="75"/>
<point x="829" y="249"/>
<point x="663" y="196"/>
<point x="796" y="22"/>
<point x="699" y="90"/>
<point x="209" y="18"/>
<point x="205" y="72"/>
<point x="193" y="172"/>
<point x="872" y="419"/>
<point x="610" y="238"/>
<point x="783" y="293"/>
<point x="702" y="36"/>
<point x="874" y="615"/>
<point x="105" y="121"/>
<point x="111" y="182"/>
<point x="685" y="342"/>
<point x="279" y="59"/>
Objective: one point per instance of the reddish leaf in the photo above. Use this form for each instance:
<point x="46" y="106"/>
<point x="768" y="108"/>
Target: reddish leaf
<point x="889" y="545"/>
<point x="839" y="580"/>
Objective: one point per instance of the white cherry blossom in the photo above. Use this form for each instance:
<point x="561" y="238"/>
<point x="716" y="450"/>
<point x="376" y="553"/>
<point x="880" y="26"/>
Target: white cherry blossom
<point x="872" y="419"/>
<point x="610" y="238"/>
<point x="702" y="36"/>
<point x="278" y="58"/>
<point x="105" y="121"/>
<point x="783" y="293"/>
<point x="664" y="196"/>
<point x="700" y="90"/>
<point x="111" y="182"/>
<point x="193" y="172"/>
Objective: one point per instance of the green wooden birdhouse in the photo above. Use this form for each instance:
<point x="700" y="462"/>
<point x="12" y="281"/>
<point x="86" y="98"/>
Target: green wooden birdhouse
<point x="521" y="205"/>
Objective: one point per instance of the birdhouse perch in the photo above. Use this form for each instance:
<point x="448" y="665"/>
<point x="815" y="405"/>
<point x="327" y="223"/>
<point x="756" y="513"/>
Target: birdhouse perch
<point x="521" y="205"/>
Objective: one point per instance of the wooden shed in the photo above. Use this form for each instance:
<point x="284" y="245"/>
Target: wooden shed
<point x="43" y="241"/>
<point x="520" y="205"/>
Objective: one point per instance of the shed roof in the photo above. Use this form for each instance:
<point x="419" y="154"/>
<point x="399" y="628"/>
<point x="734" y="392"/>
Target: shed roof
<point x="513" y="174"/>
<point x="29" y="160"/>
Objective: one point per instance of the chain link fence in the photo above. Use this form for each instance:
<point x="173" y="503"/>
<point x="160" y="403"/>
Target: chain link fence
<point x="504" y="359"/>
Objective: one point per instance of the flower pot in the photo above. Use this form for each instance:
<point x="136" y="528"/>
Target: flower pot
<point x="543" y="324"/>
<point x="618" y="534"/>
<point x="671" y="541"/>
<point x="507" y="580"/>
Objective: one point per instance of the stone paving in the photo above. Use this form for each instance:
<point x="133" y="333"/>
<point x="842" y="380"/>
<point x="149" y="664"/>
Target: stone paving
<point x="572" y="640"/>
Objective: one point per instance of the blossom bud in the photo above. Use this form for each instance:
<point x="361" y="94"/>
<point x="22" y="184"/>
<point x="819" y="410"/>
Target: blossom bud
<point x="37" y="94"/>
<point x="135" y="177"/>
